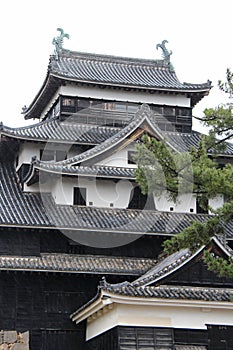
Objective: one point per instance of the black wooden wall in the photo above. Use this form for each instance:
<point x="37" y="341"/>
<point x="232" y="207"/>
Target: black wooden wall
<point x="42" y="304"/>
<point x="148" y="338"/>
<point x="28" y="242"/>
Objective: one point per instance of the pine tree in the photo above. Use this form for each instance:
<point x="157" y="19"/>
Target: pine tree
<point x="164" y="171"/>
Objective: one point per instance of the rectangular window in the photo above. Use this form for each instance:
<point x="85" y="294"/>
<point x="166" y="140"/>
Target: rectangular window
<point x="80" y="196"/>
<point x="68" y="102"/>
<point x="52" y="155"/>
<point x="131" y="157"/>
<point x="201" y="206"/>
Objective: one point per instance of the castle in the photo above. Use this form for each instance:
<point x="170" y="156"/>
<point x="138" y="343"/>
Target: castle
<point x="80" y="245"/>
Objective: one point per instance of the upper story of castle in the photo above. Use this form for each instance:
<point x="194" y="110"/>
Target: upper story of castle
<point x="92" y="110"/>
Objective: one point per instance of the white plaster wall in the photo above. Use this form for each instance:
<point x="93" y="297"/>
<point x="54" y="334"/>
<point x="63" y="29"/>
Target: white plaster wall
<point x="27" y="151"/>
<point x="184" y="203"/>
<point x="62" y="189"/>
<point x="131" y="96"/>
<point x="100" y="193"/>
<point x="177" y="316"/>
<point x="119" y="159"/>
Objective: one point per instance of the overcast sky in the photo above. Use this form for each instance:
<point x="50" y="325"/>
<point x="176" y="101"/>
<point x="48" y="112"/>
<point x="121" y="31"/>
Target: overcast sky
<point x="199" y="33"/>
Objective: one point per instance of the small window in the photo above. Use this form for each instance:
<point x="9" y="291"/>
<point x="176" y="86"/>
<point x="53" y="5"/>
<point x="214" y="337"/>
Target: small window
<point x="131" y="157"/>
<point x="202" y="206"/>
<point x="80" y="195"/>
<point x="109" y="106"/>
<point x="52" y="155"/>
<point x="68" y="102"/>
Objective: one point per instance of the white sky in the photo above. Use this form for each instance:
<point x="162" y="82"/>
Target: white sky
<point x="199" y="33"/>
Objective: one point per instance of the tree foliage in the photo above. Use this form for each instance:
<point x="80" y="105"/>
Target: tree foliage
<point x="164" y="171"/>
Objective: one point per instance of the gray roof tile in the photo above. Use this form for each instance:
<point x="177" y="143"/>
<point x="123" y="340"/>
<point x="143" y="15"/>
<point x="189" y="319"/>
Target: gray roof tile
<point x="171" y="292"/>
<point x="54" y="130"/>
<point x="39" y="210"/>
<point x="76" y="264"/>
<point x="163" y="267"/>
<point x="121" y="71"/>
<point x="96" y="171"/>
<point x="111" y="71"/>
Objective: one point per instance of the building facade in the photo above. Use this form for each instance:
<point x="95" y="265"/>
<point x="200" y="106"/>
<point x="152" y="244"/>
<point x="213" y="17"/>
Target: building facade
<point x="80" y="245"/>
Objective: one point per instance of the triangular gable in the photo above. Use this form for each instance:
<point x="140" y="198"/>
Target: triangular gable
<point x="142" y="122"/>
<point x="180" y="262"/>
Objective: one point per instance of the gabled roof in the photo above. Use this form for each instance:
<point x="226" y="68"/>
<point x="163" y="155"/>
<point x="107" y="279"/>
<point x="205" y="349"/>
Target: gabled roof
<point x="176" y="261"/>
<point x="143" y="121"/>
<point x="142" y="288"/>
<point x="104" y="70"/>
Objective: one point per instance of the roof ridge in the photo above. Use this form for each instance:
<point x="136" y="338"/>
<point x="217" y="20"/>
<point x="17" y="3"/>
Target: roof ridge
<point x="111" y="58"/>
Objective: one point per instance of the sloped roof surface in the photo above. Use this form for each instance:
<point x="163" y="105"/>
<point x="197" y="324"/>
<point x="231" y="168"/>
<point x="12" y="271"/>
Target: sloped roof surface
<point x="54" y="130"/>
<point x="86" y="67"/>
<point x="76" y="263"/>
<point x="113" y="71"/>
<point x="141" y="288"/>
<point x="172" y="292"/>
<point x="96" y="171"/>
<point x="32" y="209"/>
<point x="163" y="267"/>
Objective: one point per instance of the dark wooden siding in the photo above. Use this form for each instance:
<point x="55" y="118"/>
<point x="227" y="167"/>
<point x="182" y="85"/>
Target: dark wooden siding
<point x="196" y="274"/>
<point x="133" y="338"/>
<point x="220" y="337"/>
<point x="42" y="304"/>
<point x="33" y="242"/>
<point x="140" y="338"/>
<point x="106" y="341"/>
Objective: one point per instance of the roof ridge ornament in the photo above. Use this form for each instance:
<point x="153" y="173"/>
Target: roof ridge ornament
<point x="58" y="42"/>
<point x="166" y="54"/>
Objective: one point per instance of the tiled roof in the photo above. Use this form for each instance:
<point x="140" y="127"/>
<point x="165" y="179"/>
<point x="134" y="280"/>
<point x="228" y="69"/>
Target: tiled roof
<point x="86" y="67"/>
<point x="76" y="264"/>
<point x="175" y="261"/>
<point x="111" y="71"/>
<point x="32" y="209"/>
<point x="179" y="141"/>
<point x="102" y="136"/>
<point x="142" y="114"/>
<point x="162" y="268"/>
<point x="54" y="130"/>
<point x="184" y="141"/>
<point x="126" y="289"/>
<point x="96" y="171"/>
<point x="171" y="292"/>
<point x="142" y="287"/>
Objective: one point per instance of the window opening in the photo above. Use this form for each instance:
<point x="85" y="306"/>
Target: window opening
<point x="80" y="195"/>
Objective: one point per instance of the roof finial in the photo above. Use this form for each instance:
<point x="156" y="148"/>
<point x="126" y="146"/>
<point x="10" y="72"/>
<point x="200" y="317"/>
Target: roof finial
<point x="166" y="54"/>
<point x="58" y="42"/>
